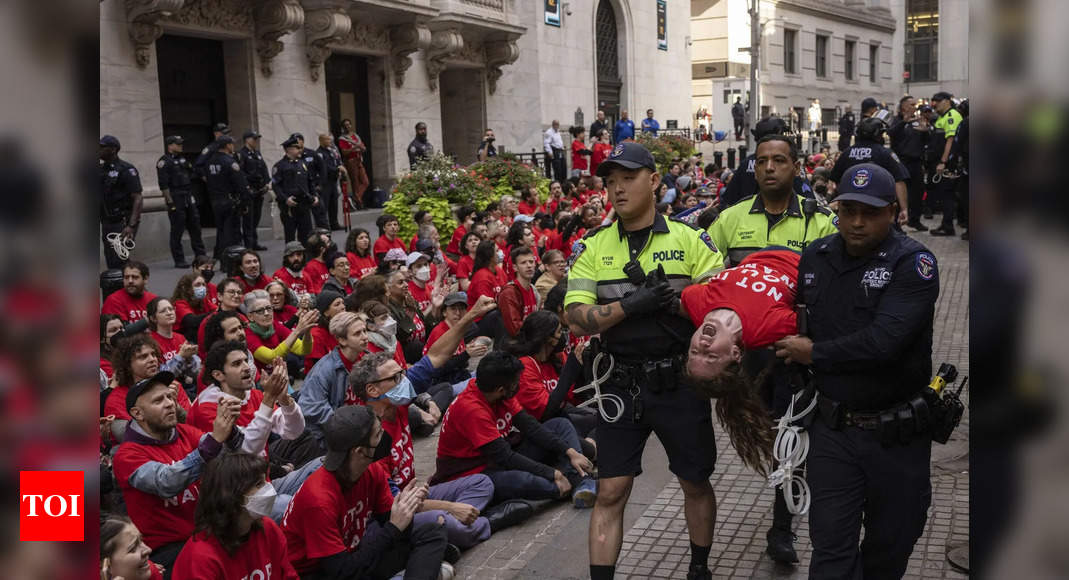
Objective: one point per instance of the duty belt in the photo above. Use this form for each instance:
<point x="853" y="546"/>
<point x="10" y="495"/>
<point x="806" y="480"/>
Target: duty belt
<point x="897" y="424"/>
<point x="654" y="374"/>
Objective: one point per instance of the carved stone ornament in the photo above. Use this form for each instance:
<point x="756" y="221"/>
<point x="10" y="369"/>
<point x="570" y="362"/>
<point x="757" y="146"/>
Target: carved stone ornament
<point x="471" y="52"/>
<point x="231" y="15"/>
<point x="404" y="40"/>
<point x="367" y="36"/>
<point x="327" y="23"/>
<point x="444" y="44"/>
<point x="275" y="19"/>
<point x="498" y="54"/>
<point x="142" y="20"/>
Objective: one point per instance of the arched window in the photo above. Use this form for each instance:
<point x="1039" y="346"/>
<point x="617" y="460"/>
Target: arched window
<point x="608" y="60"/>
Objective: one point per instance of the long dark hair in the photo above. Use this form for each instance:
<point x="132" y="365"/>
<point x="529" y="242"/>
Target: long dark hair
<point x="537" y="328"/>
<point x="484" y="254"/>
<point x="464" y="242"/>
<point x="516" y="232"/>
<point x="104" y="320"/>
<point x="222" y="496"/>
<point x="350" y="242"/>
<point x="743" y="414"/>
<point x="111" y="525"/>
<point x="152" y="308"/>
<point x="183" y="290"/>
<point x="123" y="354"/>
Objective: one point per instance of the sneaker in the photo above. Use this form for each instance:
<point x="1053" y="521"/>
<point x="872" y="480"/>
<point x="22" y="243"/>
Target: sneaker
<point x="699" y="572"/>
<point x="446" y="572"/>
<point x="941" y="231"/>
<point x="916" y="227"/>
<point x="585" y="494"/>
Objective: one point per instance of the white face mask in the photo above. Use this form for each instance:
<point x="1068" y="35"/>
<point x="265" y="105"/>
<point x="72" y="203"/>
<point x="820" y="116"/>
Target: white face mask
<point x="260" y="502"/>
<point x="423" y="274"/>
<point x="388" y="328"/>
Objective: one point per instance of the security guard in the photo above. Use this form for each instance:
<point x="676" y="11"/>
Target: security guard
<point x="776" y="216"/>
<point x="744" y="184"/>
<point x="294" y="186"/>
<point x="946" y="127"/>
<point x="846" y="128"/>
<point x="255" y="169"/>
<point x="909" y="134"/>
<point x="317" y="171"/>
<point x="870" y="293"/>
<point x="624" y="283"/>
<point x="229" y="194"/>
<point x="420" y="148"/>
<point x="175" y="176"/>
<point x="120" y="202"/>
<point x="869" y="148"/>
<point x="332" y="167"/>
<point x="200" y="166"/>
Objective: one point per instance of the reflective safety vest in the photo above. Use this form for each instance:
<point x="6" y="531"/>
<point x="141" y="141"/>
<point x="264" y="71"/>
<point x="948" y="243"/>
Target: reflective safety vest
<point x="743" y="228"/>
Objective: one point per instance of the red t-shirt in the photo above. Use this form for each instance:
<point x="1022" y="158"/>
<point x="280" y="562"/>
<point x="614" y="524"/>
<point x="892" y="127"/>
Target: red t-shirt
<point x="485" y="283"/>
<point x="536" y="382"/>
<point x="116" y="402"/>
<point x="471" y="422"/>
<point x="399" y="463"/>
<point x="464" y="266"/>
<point x="257" y="284"/>
<point x="442" y="328"/>
<point x="299" y="284"/>
<point x="527" y="208"/>
<point x="288" y="311"/>
<point x="168" y="346"/>
<point x="601" y="153"/>
<point x="422" y="295"/>
<point x="128" y="308"/>
<point x="209" y="304"/>
<point x="262" y="556"/>
<point x="323" y="519"/>
<point x="420" y="331"/>
<point x="384" y="244"/>
<point x="578" y="160"/>
<point x="398" y="354"/>
<point x="160" y="520"/>
<point x="760" y="290"/>
<point x="105" y="365"/>
<point x="322" y="343"/>
<point x="317" y="274"/>
<point x="202" y="416"/>
<point x="360" y="267"/>
<point x="454" y="242"/>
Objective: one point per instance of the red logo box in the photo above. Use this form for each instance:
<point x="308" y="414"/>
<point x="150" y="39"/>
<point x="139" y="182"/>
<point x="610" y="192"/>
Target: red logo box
<point x="51" y="506"/>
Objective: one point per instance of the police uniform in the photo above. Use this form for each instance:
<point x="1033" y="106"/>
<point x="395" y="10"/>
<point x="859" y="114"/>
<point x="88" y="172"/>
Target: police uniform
<point x="331" y="188"/>
<point x="870" y="320"/>
<point x="909" y="142"/>
<point x="174" y="174"/>
<point x="229" y="194"/>
<point x="200" y="165"/>
<point x="946" y="127"/>
<point x="846" y="130"/>
<point x="120" y="183"/>
<point x="869" y="150"/>
<point x="746" y="227"/>
<point x="255" y="169"/>
<point x="744" y="183"/>
<point x="647" y="349"/>
<point x="317" y="172"/>
<point x="291" y="178"/>
<point x="418" y="150"/>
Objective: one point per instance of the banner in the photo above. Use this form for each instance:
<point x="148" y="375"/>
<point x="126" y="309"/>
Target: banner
<point x="553" y="12"/>
<point x="662" y="24"/>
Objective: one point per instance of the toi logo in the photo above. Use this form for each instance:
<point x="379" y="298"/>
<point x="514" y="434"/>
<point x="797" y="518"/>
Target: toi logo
<point x="51" y="506"/>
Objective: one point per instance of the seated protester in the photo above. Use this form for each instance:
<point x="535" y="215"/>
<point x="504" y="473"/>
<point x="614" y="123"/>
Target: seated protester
<point x="477" y="437"/>
<point x="344" y="523"/>
<point x="328" y="304"/>
<point x="178" y="355"/>
<point x="465" y="222"/>
<point x="393" y="261"/>
<point x="358" y="249"/>
<point x="529" y="201"/>
<point x="420" y="218"/>
<point x="193" y="297"/>
<point x="518" y="299"/>
<point x="325" y="385"/>
<point x="555" y="303"/>
<point x="159" y="462"/>
<point x="454" y="306"/>
<point x="429" y="242"/>
<point x="268" y="339"/>
<point x="223" y="327"/>
<point x="548" y="374"/>
<point x="411" y="326"/>
<point x="372" y="287"/>
<point x="469" y="243"/>
<point x="421" y="287"/>
<point x="487" y="277"/>
<point x="137" y="358"/>
<point x="248" y="272"/>
<point x="387" y="240"/>
<point x="315" y="267"/>
<point x="292" y="272"/>
<point x="131" y="302"/>
<point x="339" y="280"/>
<point x="378" y="382"/>
<point x="554" y="269"/>
<point x="235" y="536"/>
<point x="110" y="325"/>
<point x="123" y="552"/>
<point x="520" y="235"/>
<point x="230" y="297"/>
<point x="284" y="304"/>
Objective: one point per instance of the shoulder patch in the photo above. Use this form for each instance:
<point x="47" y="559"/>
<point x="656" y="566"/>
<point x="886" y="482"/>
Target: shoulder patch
<point x="235" y="166"/>
<point x="577" y="250"/>
<point x="160" y="164"/>
<point x="708" y="241"/>
<point x="835" y="220"/>
<point x="925" y="264"/>
<point x="133" y="171"/>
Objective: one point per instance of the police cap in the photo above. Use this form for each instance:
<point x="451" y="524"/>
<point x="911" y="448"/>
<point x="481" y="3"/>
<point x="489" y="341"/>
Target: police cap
<point x="221" y="128"/>
<point x="109" y="141"/>
<point x="222" y="140"/>
<point x="173" y="140"/>
<point x="867" y="183"/>
<point x="868" y="104"/>
<point x="769" y="126"/>
<point x="291" y="142"/>
<point x="251" y="133"/>
<point x="296" y="136"/>
<point x="941" y="95"/>
<point x="629" y="155"/>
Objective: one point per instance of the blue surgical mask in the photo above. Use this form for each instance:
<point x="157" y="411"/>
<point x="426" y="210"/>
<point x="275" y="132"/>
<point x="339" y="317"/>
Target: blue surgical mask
<point x="402" y="394"/>
<point x="200" y="292"/>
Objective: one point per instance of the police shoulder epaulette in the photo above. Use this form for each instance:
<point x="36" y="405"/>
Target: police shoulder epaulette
<point x="823" y="210"/>
<point x="593" y="232"/>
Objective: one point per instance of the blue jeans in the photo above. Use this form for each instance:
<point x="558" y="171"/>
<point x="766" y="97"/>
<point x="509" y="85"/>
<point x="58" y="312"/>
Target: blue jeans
<point x="286" y="487"/>
<point x="515" y="484"/>
<point x="475" y="490"/>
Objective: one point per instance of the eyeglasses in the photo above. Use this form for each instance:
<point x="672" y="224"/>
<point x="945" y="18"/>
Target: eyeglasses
<point x="264" y="310"/>
<point x="396" y="378"/>
<point x="232" y="293"/>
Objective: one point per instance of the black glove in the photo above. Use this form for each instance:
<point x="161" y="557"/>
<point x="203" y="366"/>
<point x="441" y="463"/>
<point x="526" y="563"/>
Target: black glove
<point x="650" y="297"/>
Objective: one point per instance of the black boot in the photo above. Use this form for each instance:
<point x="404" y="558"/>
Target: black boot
<point x="780" y="538"/>
<point x="507" y="513"/>
<point x="698" y="572"/>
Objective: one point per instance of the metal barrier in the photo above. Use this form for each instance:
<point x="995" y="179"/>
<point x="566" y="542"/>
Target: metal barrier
<point x="536" y="159"/>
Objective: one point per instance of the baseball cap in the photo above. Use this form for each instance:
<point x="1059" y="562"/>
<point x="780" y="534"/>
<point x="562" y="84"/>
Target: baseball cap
<point x="292" y="248"/>
<point x="769" y="126"/>
<point x="523" y="218"/>
<point x="251" y="133"/>
<point x="395" y="255"/>
<point x="629" y="155"/>
<point x="222" y="128"/>
<point x="109" y="141"/>
<point x="867" y="183"/>
<point x="350" y="426"/>
<point x="413" y="257"/>
<point x="941" y="95"/>
<point x="161" y="378"/>
<point x="173" y="139"/>
<point x="682" y="183"/>
<point x="455" y="298"/>
<point x="869" y="103"/>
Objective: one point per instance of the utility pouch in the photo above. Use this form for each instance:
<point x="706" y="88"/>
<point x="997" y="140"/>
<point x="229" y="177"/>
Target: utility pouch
<point x="907" y="425"/>
<point x="888" y="428"/>
<point x="831" y="412"/>
<point x="651" y="376"/>
<point x="666" y="374"/>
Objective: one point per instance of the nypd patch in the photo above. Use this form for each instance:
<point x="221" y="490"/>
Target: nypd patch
<point x="835" y="220"/>
<point x="618" y="151"/>
<point x="708" y="241"/>
<point x="160" y="164"/>
<point x="577" y="250"/>
<point x="925" y="265"/>
<point x="861" y="178"/>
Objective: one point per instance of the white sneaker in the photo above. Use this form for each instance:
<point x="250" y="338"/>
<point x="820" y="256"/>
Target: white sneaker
<point x="446" y="573"/>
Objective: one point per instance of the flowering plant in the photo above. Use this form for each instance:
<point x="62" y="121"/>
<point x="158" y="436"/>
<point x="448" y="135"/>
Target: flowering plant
<point x="434" y="185"/>
<point x="667" y="148"/>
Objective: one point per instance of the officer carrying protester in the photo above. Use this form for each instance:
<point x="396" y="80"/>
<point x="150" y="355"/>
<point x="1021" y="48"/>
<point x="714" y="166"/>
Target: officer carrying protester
<point x="909" y="134"/>
<point x="294" y="189"/>
<point x="624" y="283"/>
<point x="945" y="185"/>
<point x="870" y="294"/>
<point x="869" y="148"/>
<point x="175" y="176"/>
<point x="255" y="169"/>
<point x="229" y="194"/>
<point x="120" y="202"/>
<point x="744" y="184"/>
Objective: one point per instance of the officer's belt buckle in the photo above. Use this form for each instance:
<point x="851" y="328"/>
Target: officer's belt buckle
<point x="866" y="421"/>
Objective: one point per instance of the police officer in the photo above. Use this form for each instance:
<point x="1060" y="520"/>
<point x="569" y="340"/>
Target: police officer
<point x="846" y="128"/>
<point x="946" y="127"/>
<point x="420" y="148"/>
<point x="909" y="136"/>
<point x="743" y="184"/>
<point x="201" y="163"/>
<point x="317" y="171"/>
<point x="776" y="217"/>
<point x="624" y="283"/>
<point x="229" y="194"/>
<point x="333" y="168"/>
<point x="294" y="187"/>
<point x="869" y="148"/>
<point x="870" y="293"/>
<point x="120" y="202"/>
<point x="255" y="169"/>
<point x="175" y="176"/>
<point x="959" y="154"/>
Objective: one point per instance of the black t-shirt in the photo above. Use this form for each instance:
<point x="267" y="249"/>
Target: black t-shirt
<point x="869" y="152"/>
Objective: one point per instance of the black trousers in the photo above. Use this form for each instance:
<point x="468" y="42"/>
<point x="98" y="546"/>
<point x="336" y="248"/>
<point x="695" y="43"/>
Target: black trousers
<point x="296" y="222"/>
<point x="332" y="195"/>
<point x="185" y="217"/>
<point x="856" y="481"/>
<point x="844" y="142"/>
<point x="560" y="167"/>
<point x="319" y="211"/>
<point x="739" y="124"/>
<point x="251" y="220"/>
<point x="963" y="201"/>
<point x="946" y="192"/>
<point x="113" y="260"/>
<point x="419" y="553"/>
<point x="915" y="189"/>
<point x="227" y="227"/>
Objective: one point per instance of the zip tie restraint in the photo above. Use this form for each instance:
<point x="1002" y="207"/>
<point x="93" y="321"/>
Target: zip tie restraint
<point x="599" y="398"/>
<point x="121" y="245"/>
<point x="790" y="450"/>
